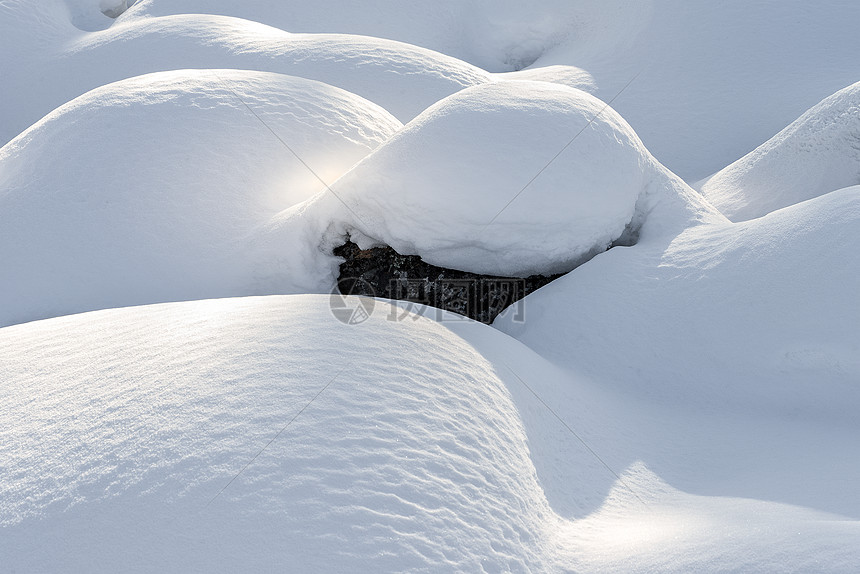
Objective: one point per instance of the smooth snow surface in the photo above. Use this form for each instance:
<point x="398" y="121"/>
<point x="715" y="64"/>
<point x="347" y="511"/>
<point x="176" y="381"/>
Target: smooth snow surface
<point x="816" y="154"/>
<point x="713" y="80"/>
<point x="151" y="189"/>
<point x="709" y="81"/>
<point x="498" y="35"/>
<point x="55" y="62"/>
<point x="761" y="316"/>
<point x="506" y="178"/>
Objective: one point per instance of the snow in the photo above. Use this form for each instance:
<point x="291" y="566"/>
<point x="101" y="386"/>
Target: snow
<point x="417" y="462"/>
<point x="401" y="78"/>
<point x="684" y="401"/>
<point x="818" y="153"/>
<point x="152" y="189"/>
<point x="702" y="315"/>
<point x="260" y="433"/>
<point x="497" y="35"/>
<point x="713" y="80"/>
<point x="505" y="178"/>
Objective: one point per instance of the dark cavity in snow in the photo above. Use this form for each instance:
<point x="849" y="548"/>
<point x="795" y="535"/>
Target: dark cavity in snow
<point x="382" y="272"/>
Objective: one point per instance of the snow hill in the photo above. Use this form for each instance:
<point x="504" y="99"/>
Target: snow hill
<point x="423" y="457"/>
<point x="443" y="186"/>
<point x="717" y="306"/>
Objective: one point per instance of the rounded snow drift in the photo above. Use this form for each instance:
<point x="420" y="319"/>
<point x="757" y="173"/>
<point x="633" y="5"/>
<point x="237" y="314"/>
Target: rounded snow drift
<point x="133" y="432"/>
<point x="818" y="153"/>
<point x="148" y="189"/>
<point x="509" y="178"/>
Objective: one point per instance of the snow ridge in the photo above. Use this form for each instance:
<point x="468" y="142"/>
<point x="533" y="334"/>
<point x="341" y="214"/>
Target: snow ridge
<point x="818" y="153"/>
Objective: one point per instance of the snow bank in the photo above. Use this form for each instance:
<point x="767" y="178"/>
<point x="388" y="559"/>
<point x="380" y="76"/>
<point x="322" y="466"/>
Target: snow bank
<point x="150" y="189"/>
<point x="401" y="78"/>
<point x="703" y="97"/>
<point x="715" y="79"/>
<point x="498" y="35"/>
<point x="760" y="316"/>
<point x="818" y="153"/>
<point x="259" y="434"/>
<point x="474" y="183"/>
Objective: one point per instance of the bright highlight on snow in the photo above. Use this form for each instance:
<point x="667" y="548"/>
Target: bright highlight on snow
<point x="180" y="391"/>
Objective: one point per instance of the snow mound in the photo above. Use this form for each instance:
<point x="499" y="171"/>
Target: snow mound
<point x="150" y="189"/>
<point x="700" y="99"/>
<point x="258" y="434"/>
<point x="498" y="35"/>
<point x="760" y="316"/>
<point x="816" y="154"/>
<point x="263" y="434"/>
<point x="505" y="178"/>
<point x="403" y="79"/>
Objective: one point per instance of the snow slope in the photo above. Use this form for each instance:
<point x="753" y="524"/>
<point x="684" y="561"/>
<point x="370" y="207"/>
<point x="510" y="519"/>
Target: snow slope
<point x="152" y="189"/>
<point x="760" y="315"/>
<point x="685" y="404"/>
<point x="260" y="434"/>
<point x="818" y="153"/>
<point x="734" y="348"/>
<point x="416" y="463"/>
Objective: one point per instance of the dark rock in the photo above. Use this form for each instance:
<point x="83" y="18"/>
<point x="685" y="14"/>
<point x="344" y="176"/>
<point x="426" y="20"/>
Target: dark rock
<point x="382" y="272"/>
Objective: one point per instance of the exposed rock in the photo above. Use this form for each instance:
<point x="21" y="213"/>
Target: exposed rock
<point x="382" y="272"/>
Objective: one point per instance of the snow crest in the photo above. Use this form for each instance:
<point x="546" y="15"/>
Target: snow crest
<point x="818" y="153"/>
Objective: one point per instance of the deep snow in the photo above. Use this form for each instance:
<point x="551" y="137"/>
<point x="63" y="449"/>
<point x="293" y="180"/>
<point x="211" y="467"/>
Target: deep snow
<point x="713" y="79"/>
<point x="818" y="153"/>
<point x="687" y="403"/>
<point x="476" y="182"/>
<point x="760" y="316"/>
<point x="152" y="189"/>
<point x="262" y="433"/>
<point x="52" y="62"/>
